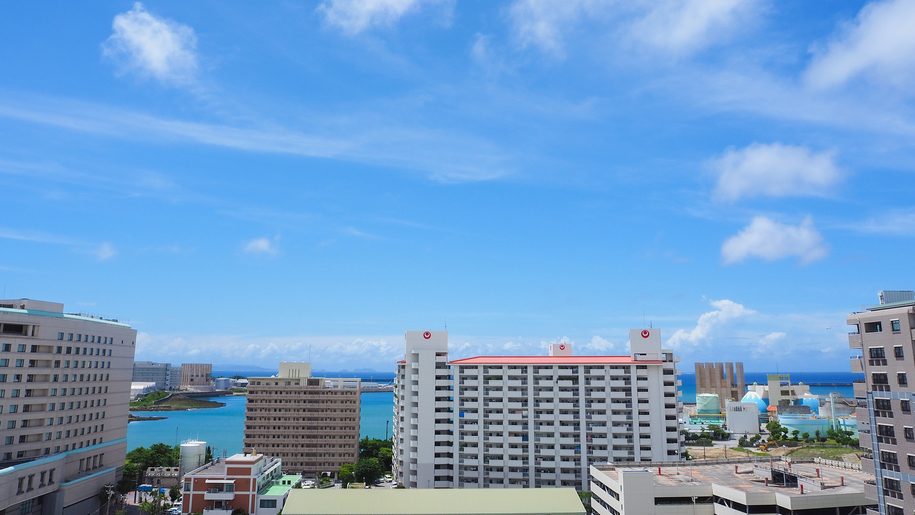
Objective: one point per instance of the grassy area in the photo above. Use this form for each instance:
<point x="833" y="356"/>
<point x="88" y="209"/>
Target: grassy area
<point x="239" y="390"/>
<point x="753" y="452"/>
<point x="819" y="451"/>
<point x="147" y="400"/>
<point x="180" y="403"/>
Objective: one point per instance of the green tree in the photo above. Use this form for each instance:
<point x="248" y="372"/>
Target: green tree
<point x="806" y="437"/>
<point x="794" y="434"/>
<point x="368" y="470"/>
<point x="239" y="511"/>
<point x="346" y="474"/>
<point x="174" y="493"/>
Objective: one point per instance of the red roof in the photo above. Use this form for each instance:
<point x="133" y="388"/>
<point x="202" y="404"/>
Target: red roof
<point x="402" y="361"/>
<point x="552" y="360"/>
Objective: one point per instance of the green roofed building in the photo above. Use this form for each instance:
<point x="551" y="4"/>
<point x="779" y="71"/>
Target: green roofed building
<point x="528" y="501"/>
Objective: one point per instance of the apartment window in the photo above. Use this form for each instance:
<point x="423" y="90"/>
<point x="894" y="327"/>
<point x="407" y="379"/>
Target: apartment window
<point x="880" y="379"/>
<point x="892" y="484"/>
<point x="898" y="352"/>
<point x="60" y="336"/>
<point x="17" y="378"/>
<point x="901" y="378"/>
<point x="14" y="393"/>
<point x="888" y="457"/>
<point x="884" y="430"/>
<point x="895" y="325"/>
<point x="268" y="503"/>
<point x="7" y="347"/>
<point x="20" y="363"/>
<point x="20" y="347"/>
<point x="883" y="404"/>
<point x="9" y="441"/>
<point x="909" y="433"/>
<point x="877" y="353"/>
<point x="905" y="406"/>
<point x="13" y="409"/>
<point x="4" y="362"/>
<point x="873" y="327"/>
<point x="69" y="337"/>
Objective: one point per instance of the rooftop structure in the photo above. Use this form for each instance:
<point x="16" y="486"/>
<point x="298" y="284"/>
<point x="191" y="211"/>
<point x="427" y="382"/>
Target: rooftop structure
<point x="196" y="375"/>
<point x="64" y="393"/>
<point x="530" y="421"/>
<point x="725" y="487"/>
<point x="312" y="423"/>
<point x="552" y="501"/>
<point x="161" y="374"/>
<point x="252" y="482"/>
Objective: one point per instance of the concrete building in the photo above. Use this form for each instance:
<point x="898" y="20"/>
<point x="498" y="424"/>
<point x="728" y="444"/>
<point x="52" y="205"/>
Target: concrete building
<point x="722" y="379"/>
<point x="64" y="393"/>
<point x="195" y="375"/>
<point x="252" y="482"/>
<point x="530" y="421"/>
<point x="728" y="487"/>
<point x="159" y="373"/>
<point x="884" y="335"/>
<point x="742" y="418"/>
<point x="162" y="477"/>
<point x="311" y="423"/>
<point x="174" y="380"/>
<point x="547" y="501"/>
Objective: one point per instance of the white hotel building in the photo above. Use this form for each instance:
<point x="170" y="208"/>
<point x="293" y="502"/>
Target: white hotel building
<point x="530" y="421"/>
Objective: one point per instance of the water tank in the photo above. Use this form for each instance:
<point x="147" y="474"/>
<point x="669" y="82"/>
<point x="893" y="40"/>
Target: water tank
<point x="707" y="404"/>
<point x="761" y="403"/>
<point x="223" y="383"/>
<point x="193" y="455"/>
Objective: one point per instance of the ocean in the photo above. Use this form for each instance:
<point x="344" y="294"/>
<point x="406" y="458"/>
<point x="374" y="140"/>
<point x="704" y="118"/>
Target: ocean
<point x="223" y="428"/>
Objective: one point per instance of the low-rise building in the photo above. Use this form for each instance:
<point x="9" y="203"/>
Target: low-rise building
<point x="162" y="477"/>
<point x="252" y="482"/>
<point x="542" y="501"/>
<point x="802" y="486"/>
<point x="158" y="373"/>
<point x="196" y="375"/>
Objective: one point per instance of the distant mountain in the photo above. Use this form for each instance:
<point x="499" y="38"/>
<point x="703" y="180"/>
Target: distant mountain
<point x="241" y="367"/>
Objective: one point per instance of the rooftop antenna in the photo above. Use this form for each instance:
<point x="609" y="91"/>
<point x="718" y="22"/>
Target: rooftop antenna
<point x="650" y="324"/>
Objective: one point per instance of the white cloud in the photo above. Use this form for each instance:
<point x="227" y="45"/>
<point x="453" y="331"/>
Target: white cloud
<point x="675" y="26"/>
<point x="355" y="16"/>
<point x="774" y="170"/>
<point x="598" y="345"/>
<point x="683" y="26"/>
<point x="878" y="45"/>
<point x="152" y="47"/>
<point x="770" y="240"/>
<point x="263" y="246"/>
<point x="769" y="344"/>
<point x="710" y="324"/>
<point x="105" y="251"/>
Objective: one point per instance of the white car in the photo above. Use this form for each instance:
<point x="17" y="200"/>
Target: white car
<point x="388" y="478"/>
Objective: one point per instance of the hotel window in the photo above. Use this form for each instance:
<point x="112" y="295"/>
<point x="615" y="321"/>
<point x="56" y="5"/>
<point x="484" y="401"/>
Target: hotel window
<point x="20" y="347"/>
<point x="905" y="406"/>
<point x="877" y="353"/>
<point x="4" y="362"/>
<point x="909" y="433"/>
<point x="898" y="352"/>
<point x="60" y="336"/>
<point x="895" y="325"/>
<point x="880" y="379"/>
<point x="7" y="347"/>
<point x="69" y="337"/>
<point x="79" y="337"/>
<point x="20" y="363"/>
<point x="901" y="378"/>
<point x="873" y="327"/>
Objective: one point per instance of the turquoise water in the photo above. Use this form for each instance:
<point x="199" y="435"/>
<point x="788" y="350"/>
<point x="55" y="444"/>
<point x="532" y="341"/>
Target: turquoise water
<point x="224" y="428"/>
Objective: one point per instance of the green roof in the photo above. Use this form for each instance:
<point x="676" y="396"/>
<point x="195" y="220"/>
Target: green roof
<point x="282" y="484"/>
<point x="469" y="501"/>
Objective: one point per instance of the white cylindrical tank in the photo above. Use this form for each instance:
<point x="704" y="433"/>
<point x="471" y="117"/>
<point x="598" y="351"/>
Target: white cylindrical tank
<point x="193" y="455"/>
<point x="223" y="383"/>
<point x="707" y="403"/>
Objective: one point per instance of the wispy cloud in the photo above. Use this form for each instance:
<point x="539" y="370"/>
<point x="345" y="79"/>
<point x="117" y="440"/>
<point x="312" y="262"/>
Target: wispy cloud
<point x="263" y="246"/>
<point x="105" y="251"/>
<point x="36" y="237"/>
<point x="669" y="26"/>
<point x="152" y="47"/>
<point x="894" y="222"/>
<point x="774" y="170"/>
<point x="879" y="46"/>
<point x="443" y="155"/>
<point x="355" y="16"/>
<point x="769" y="240"/>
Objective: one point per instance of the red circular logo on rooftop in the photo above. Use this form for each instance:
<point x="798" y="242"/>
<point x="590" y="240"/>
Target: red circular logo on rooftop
<point x="562" y="347"/>
<point x="427" y="335"/>
<point x="645" y="333"/>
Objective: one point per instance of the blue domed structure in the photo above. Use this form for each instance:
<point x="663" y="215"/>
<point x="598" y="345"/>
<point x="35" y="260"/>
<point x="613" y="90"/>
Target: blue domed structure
<point x="812" y="401"/>
<point x="761" y="403"/>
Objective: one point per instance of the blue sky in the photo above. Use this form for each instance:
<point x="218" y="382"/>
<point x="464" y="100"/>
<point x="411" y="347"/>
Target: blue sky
<point x="251" y="183"/>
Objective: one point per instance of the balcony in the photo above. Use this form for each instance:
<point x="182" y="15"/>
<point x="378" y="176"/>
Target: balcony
<point x="867" y="465"/>
<point x="218" y="495"/>
<point x="854" y="341"/>
<point x="857" y="365"/>
<point x="860" y="390"/>
<point x="217" y="511"/>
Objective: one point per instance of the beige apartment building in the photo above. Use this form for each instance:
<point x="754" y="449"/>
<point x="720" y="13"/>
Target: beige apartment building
<point x="884" y="335"/>
<point x="722" y="379"/>
<point x="195" y="375"/>
<point x="310" y="423"/>
<point x="64" y="392"/>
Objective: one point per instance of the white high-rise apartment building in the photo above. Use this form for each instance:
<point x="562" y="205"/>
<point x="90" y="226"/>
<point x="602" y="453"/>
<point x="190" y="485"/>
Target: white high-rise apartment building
<point x="64" y="398"/>
<point x="531" y="421"/>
